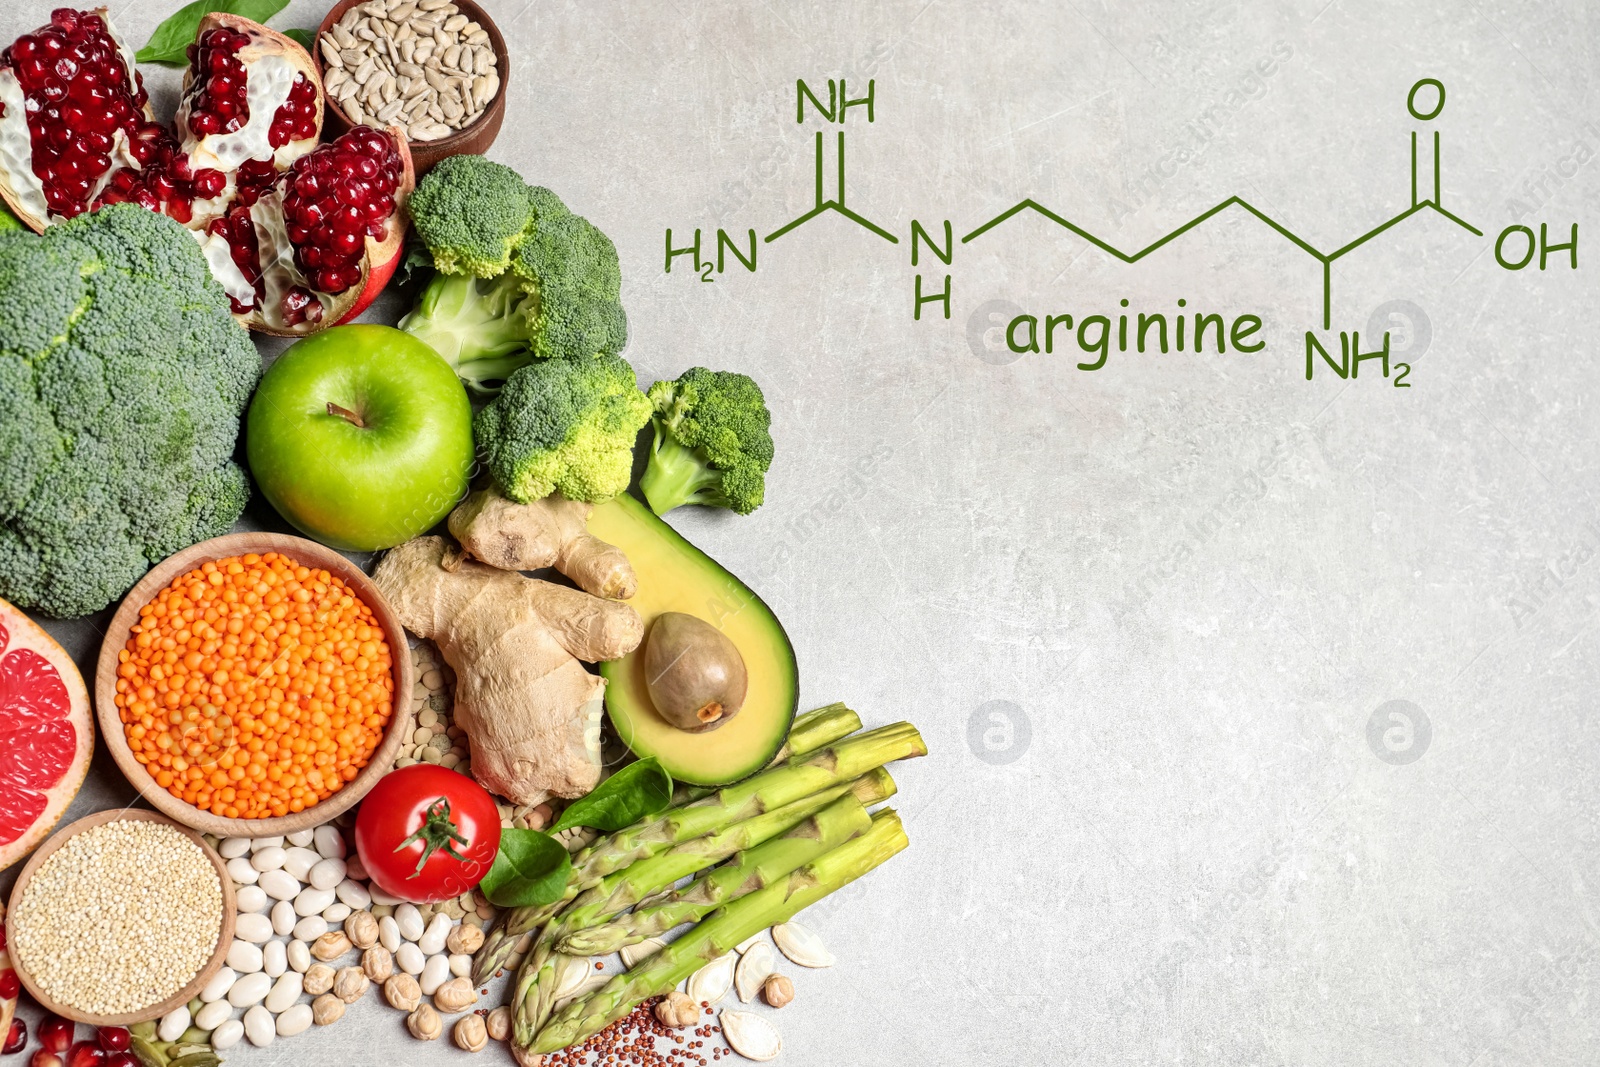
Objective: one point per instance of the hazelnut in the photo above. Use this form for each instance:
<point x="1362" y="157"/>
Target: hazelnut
<point x="471" y="1034"/>
<point x="319" y="979"/>
<point x="362" y="929"/>
<point x="464" y="938"/>
<point x="330" y="946"/>
<point x="424" y="1023"/>
<point x="402" y="991"/>
<point x="455" y="995"/>
<point x="378" y="963"/>
<point x="677" y="1010"/>
<point x="326" y="1009"/>
<point x="499" y="1023"/>
<point x="777" y="990"/>
<point x="350" y="984"/>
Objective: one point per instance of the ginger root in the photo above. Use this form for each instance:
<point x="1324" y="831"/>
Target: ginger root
<point x="530" y="710"/>
<point x="550" y="532"/>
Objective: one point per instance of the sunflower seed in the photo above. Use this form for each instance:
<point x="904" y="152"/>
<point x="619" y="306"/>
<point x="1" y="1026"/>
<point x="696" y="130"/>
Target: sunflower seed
<point x="330" y="52"/>
<point x="401" y="12"/>
<point x="451" y="55"/>
<point x="485" y="62"/>
<point x="478" y="37"/>
<point x="354" y="112"/>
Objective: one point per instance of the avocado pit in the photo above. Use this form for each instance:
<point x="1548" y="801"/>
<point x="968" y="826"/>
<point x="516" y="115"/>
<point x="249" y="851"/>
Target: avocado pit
<point x="695" y="674"/>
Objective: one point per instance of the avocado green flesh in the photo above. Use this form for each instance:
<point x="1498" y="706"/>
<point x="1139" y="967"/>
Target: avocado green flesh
<point x="676" y="576"/>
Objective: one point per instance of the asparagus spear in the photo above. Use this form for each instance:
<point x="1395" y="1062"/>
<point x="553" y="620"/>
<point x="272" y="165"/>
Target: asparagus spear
<point x="811" y="730"/>
<point x="536" y="981"/>
<point x="750" y="870"/>
<point x="720" y="932"/>
<point x="799" y="776"/>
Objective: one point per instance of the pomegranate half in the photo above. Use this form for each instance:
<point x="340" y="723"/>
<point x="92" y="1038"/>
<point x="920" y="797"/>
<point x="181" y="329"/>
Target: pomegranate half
<point x="317" y="247"/>
<point x="46" y="733"/>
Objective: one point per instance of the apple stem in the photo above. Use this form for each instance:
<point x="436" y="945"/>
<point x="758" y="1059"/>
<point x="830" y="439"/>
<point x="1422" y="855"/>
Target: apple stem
<point x="346" y="414"/>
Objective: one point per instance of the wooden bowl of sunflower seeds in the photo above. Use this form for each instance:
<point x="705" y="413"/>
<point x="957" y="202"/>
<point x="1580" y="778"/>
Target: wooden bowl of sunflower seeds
<point x="436" y="68"/>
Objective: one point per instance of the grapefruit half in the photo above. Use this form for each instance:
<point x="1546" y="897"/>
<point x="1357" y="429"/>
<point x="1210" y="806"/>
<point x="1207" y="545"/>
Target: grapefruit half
<point x="46" y="733"/>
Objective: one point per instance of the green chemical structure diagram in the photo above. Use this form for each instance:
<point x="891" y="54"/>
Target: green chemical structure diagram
<point x="1516" y="248"/>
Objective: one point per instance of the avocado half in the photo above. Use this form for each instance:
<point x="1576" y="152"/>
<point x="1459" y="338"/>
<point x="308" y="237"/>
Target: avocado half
<point x="676" y="576"/>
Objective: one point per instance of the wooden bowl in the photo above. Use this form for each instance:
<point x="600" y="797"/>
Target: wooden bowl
<point x="182" y="996"/>
<point x="312" y="555"/>
<point x="475" y="139"/>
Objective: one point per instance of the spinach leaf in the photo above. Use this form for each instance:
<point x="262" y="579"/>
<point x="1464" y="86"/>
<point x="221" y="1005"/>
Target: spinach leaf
<point x="530" y="869"/>
<point x="304" y="38"/>
<point x="637" y="790"/>
<point x="167" y="45"/>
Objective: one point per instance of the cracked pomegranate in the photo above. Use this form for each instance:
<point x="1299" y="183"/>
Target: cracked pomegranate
<point x="314" y="249"/>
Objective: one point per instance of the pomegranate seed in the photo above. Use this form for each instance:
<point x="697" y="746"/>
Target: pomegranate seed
<point x="41" y="1058"/>
<point x="10" y="985"/>
<point x="86" y="1054"/>
<point x="17" y="1039"/>
<point x="55" y="1033"/>
<point x="115" y="1038"/>
<point x="120" y="1059"/>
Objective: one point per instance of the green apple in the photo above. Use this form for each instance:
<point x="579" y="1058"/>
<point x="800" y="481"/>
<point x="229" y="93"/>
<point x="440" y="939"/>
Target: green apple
<point x="361" y="436"/>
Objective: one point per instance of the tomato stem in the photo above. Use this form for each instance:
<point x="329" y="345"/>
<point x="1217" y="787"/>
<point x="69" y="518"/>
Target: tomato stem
<point x="436" y="832"/>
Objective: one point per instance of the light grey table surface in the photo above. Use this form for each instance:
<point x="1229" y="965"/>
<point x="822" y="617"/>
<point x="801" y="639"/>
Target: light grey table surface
<point x="1152" y="618"/>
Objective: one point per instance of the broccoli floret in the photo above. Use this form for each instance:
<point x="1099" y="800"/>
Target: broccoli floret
<point x="122" y="378"/>
<point x="563" y="424"/>
<point x="556" y="293"/>
<point x="470" y="213"/>
<point x="712" y="442"/>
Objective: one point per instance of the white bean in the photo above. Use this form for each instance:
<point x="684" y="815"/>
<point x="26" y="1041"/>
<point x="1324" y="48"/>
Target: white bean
<point x="244" y="957"/>
<point x="213" y="1015"/>
<point x="283" y="918"/>
<point x="233" y="847"/>
<point x="285" y="991"/>
<point x="300" y="838"/>
<point x="410" y="958"/>
<point x="251" y="898"/>
<point x="312" y="901"/>
<point x="280" y="885"/>
<point x="174" y="1023"/>
<point x="354" y="894"/>
<point x="389" y="933"/>
<point x="380" y="897"/>
<point x="268" y="859"/>
<point x="336" y="913"/>
<point x="253" y="926"/>
<point x="259" y="1027"/>
<point x="296" y="1020"/>
<point x="259" y="843"/>
<point x="432" y="940"/>
<point x="461" y="964"/>
<point x="409" y="919"/>
<point x="435" y="973"/>
<point x="240" y="871"/>
<point x="299" y="861"/>
<point x="310" y="928"/>
<point x="299" y="956"/>
<point x="274" y="959"/>
<point x="249" y="990"/>
<point x="219" y="985"/>
<point x="329" y="841"/>
<point x="227" y="1035"/>
<point x="328" y="873"/>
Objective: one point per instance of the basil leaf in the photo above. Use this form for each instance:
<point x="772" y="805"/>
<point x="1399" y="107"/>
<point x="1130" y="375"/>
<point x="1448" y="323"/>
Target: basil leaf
<point x="530" y="869"/>
<point x="169" y="43"/>
<point x="304" y="38"/>
<point x="637" y="790"/>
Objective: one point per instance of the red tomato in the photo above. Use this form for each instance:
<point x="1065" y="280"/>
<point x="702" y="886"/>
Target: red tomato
<point x="427" y="834"/>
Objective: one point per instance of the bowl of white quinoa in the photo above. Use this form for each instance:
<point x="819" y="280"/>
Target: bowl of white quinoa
<point x="119" y="917"/>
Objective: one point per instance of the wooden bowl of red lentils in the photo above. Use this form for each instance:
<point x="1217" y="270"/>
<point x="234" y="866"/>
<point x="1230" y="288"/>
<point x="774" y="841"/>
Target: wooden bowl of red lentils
<point x="253" y="685"/>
